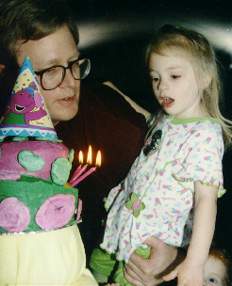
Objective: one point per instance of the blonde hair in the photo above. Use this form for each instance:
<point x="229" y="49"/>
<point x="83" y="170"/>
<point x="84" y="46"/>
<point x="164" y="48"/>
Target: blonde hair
<point x="202" y="56"/>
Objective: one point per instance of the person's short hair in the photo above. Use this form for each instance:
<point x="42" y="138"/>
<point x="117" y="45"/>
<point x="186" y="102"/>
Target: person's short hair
<point x="32" y="20"/>
<point x="24" y="20"/>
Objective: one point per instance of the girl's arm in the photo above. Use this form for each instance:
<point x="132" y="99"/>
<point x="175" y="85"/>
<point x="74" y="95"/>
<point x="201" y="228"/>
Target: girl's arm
<point x="190" y="271"/>
<point x="205" y="210"/>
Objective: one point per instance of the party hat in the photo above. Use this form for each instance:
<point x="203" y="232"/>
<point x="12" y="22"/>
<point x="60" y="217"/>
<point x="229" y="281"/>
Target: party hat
<point x="26" y="114"/>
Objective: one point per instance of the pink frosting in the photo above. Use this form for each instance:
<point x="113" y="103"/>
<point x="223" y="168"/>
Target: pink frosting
<point x="10" y="168"/>
<point x="79" y="210"/>
<point x="14" y="215"/>
<point x="56" y="212"/>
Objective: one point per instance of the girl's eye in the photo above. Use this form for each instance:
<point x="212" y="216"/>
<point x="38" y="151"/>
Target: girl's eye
<point x="155" y="78"/>
<point x="175" y="76"/>
<point x="212" y="281"/>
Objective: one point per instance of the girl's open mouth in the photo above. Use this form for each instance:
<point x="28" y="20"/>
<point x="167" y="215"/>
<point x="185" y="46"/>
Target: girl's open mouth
<point x="166" y="101"/>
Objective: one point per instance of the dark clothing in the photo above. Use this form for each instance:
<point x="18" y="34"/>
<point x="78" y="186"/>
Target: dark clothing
<point x="223" y="233"/>
<point x="107" y="122"/>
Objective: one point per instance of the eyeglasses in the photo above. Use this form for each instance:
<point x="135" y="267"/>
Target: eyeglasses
<point x="154" y="144"/>
<point x="52" y="77"/>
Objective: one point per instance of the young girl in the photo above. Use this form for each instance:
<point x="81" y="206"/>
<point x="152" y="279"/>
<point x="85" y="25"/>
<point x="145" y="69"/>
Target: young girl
<point x="217" y="270"/>
<point x="178" y="174"/>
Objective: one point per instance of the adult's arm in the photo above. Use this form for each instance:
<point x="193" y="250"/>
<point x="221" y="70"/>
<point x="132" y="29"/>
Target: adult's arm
<point x="190" y="271"/>
<point x="138" y="108"/>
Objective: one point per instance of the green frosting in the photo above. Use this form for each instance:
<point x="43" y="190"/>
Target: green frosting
<point x="33" y="192"/>
<point x="30" y="161"/>
<point x="19" y="139"/>
<point x="71" y="155"/>
<point x="60" y="171"/>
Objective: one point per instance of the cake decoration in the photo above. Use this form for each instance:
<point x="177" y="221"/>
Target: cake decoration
<point x="26" y="114"/>
<point x="60" y="170"/>
<point x="13" y="165"/>
<point x="56" y="211"/>
<point x="30" y="161"/>
<point x="14" y="215"/>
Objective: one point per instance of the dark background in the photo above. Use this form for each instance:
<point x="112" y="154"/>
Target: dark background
<point x="115" y="34"/>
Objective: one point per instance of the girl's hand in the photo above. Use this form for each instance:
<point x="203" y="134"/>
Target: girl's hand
<point x="187" y="274"/>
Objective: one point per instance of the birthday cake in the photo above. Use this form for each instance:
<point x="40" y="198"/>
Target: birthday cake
<point x="34" y="165"/>
<point x="40" y="243"/>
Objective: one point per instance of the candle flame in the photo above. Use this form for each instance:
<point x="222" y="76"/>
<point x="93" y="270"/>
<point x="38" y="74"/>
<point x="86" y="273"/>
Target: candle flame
<point x="81" y="157"/>
<point x="89" y="155"/>
<point x="98" y="159"/>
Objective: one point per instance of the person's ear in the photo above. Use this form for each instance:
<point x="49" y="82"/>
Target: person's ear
<point x="205" y="81"/>
<point x="2" y="67"/>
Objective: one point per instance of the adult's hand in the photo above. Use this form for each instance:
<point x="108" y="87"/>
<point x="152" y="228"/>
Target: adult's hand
<point x="149" y="272"/>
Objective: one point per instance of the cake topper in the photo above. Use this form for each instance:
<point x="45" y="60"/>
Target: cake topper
<point x="26" y="114"/>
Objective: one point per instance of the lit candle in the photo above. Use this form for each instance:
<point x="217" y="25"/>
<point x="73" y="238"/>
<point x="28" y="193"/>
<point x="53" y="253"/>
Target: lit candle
<point x="81" y="178"/>
<point x="89" y="172"/>
<point x="98" y="159"/>
<point x="89" y="155"/>
<point x="80" y="169"/>
<point x="80" y="157"/>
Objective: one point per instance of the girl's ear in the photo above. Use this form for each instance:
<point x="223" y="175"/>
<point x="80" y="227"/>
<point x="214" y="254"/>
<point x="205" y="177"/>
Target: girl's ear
<point x="205" y="81"/>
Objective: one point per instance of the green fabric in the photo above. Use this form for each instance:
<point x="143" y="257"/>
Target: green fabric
<point x="176" y="120"/>
<point x="118" y="276"/>
<point x="103" y="263"/>
<point x="143" y="252"/>
<point x="33" y="192"/>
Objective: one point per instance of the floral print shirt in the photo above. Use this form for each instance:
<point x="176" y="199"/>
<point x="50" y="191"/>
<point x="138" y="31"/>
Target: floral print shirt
<point x="156" y="198"/>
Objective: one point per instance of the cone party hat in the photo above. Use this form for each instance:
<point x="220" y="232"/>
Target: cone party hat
<point x="26" y="114"/>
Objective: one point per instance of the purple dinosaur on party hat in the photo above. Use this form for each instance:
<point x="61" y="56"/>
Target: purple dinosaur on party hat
<point x="26" y="114"/>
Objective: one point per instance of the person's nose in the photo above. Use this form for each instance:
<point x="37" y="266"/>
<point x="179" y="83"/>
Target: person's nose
<point x="162" y="85"/>
<point x="205" y="282"/>
<point x="69" y="79"/>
